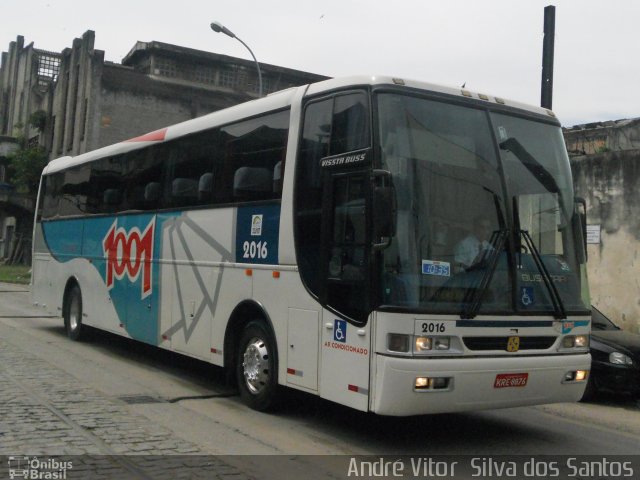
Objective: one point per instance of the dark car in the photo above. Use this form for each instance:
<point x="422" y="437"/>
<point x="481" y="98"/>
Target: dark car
<point x="615" y="358"/>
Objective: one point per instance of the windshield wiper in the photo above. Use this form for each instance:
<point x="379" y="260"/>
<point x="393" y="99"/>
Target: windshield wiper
<point x="473" y="296"/>
<point x="532" y="164"/>
<point x="558" y="305"/>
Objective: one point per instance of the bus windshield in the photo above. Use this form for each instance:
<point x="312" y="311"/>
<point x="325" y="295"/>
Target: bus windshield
<point x="485" y="212"/>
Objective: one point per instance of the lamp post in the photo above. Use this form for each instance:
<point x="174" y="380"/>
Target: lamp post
<point x="219" y="28"/>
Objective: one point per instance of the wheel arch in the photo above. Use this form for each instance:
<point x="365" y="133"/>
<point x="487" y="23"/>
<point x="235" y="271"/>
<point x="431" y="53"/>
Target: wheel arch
<point x="244" y="313"/>
<point x="71" y="282"/>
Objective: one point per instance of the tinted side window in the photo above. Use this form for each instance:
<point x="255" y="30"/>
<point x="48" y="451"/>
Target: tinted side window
<point x="105" y="185"/>
<point x="52" y="193"/>
<point x="331" y="126"/>
<point x="142" y="171"/>
<point x="253" y="153"/>
<point x="74" y="192"/>
<point x="350" y="126"/>
<point x="192" y="174"/>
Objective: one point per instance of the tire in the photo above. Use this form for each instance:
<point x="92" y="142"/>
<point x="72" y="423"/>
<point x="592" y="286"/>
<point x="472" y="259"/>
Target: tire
<point x="257" y="367"/>
<point x="73" y="315"/>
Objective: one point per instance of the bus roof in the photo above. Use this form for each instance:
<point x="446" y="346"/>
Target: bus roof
<point x="274" y="101"/>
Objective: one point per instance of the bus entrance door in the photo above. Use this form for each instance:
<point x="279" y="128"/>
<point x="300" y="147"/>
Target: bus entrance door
<point x="345" y="344"/>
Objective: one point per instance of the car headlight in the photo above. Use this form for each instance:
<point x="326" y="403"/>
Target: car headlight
<point x="618" y="358"/>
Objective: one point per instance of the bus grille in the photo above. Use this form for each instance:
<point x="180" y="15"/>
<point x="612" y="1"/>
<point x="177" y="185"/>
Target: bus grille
<point x="500" y="343"/>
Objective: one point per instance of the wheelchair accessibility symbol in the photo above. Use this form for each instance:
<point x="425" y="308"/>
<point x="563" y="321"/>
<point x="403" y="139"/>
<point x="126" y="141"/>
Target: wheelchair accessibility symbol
<point x="340" y="331"/>
<point x="526" y="296"/>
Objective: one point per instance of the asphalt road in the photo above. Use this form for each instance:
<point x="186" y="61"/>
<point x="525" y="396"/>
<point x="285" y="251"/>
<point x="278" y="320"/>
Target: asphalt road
<point x="117" y="397"/>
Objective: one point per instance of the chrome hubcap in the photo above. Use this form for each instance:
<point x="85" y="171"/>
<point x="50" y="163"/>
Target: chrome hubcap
<point x="255" y="365"/>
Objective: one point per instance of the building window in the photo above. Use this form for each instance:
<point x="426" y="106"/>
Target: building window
<point x="166" y="67"/>
<point x="227" y="79"/>
<point x="48" y="67"/>
<point x="205" y="74"/>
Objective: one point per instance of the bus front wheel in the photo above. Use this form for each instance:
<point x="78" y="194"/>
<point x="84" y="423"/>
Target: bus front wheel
<point x="73" y="314"/>
<point x="256" y="367"/>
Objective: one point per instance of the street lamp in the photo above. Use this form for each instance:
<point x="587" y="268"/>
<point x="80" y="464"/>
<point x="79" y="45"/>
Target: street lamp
<point x="219" y="28"/>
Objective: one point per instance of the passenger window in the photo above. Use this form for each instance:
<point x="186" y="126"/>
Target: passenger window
<point x="73" y="200"/>
<point x="254" y="156"/>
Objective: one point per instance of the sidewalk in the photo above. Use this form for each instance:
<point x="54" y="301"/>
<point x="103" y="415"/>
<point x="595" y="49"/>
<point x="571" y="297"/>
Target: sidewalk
<point x="45" y="413"/>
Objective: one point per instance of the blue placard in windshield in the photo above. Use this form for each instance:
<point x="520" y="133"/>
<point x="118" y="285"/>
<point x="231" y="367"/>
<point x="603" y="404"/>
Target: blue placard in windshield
<point x="440" y="269"/>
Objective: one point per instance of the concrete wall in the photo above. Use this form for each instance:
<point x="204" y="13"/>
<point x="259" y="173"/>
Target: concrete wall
<point x="602" y="137"/>
<point x="610" y="183"/>
<point x="132" y="104"/>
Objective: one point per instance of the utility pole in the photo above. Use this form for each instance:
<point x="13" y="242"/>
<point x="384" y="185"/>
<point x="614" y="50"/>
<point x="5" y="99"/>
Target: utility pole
<point x="547" y="56"/>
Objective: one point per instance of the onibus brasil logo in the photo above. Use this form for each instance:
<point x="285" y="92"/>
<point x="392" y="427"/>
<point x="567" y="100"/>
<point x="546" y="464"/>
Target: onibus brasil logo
<point x="129" y="253"/>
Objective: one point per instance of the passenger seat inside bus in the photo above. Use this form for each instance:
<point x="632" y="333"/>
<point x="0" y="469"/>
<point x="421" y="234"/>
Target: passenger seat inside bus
<point x="152" y="193"/>
<point x="184" y="191"/>
<point x="252" y="183"/>
<point x="111" y="199"/>
<point x="205" y="187"/>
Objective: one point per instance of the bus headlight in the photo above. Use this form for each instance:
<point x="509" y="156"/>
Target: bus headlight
<point x="575" y="341"/>
<point x="442" y="343"/>
<point x="400" y="343"/>
<point x="418" y="344"/>
<point x="423" y="344"/>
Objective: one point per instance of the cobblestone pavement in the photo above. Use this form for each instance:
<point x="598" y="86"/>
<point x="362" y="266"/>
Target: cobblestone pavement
<point x="45" y="413"/>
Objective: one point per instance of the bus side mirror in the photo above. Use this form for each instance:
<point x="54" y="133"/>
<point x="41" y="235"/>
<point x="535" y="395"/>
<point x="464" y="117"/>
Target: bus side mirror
<point x="384" y="209"/>
<point x="581" y="217"/>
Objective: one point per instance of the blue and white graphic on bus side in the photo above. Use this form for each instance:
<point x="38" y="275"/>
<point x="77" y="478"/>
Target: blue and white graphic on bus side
<point x="125" y="252"/>
<point x="122" y="249"/>
<point x="257" y="231"/>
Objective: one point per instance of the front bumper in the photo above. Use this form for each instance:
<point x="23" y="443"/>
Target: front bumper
<point x="472" y="383"/>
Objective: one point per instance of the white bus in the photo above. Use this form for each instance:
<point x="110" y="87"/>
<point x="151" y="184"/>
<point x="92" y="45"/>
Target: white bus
<point x="320" y="239"/>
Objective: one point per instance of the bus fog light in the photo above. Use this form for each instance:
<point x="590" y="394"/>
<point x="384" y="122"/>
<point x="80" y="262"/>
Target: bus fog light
<point x="581" y="375"/>
<point x="440" y="383"/>
<point x="422" y="383"/>
<point x="432" y="383"/>
<point x="423" y="344"/>
<point x="398" y="343"/>
<point x="575" y="376"/>
<point x="442" y="343"/>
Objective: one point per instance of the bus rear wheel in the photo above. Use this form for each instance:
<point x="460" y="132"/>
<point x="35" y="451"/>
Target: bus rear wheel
<point x="256" y="367"/>
<point x="73" y="314"/>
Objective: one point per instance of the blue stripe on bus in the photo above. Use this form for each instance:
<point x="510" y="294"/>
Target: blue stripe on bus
<point x="504" y="323"/>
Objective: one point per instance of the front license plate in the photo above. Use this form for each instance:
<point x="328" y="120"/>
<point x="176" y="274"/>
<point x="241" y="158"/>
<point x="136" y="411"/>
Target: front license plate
<point x="506" y="380"/>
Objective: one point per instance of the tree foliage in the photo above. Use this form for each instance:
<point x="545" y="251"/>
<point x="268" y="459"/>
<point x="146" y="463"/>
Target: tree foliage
<point x="38" y="119"/>
<point x="25" y="168"/>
